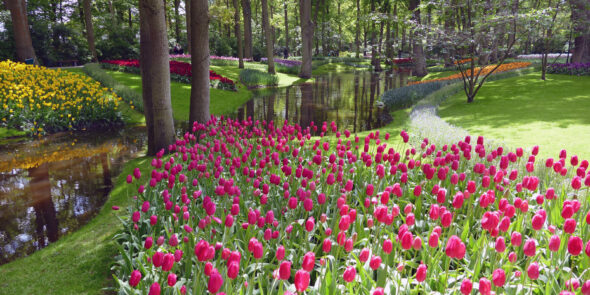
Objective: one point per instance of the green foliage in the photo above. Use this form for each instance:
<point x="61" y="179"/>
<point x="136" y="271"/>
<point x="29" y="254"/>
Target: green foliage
<point x="119" y="43"/>
<point x="255" y="78"/>
<point x="127" y="94"/>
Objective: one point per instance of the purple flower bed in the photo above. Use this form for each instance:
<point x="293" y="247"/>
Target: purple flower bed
<point x="284" y="62"/>
<point x="578" y="69"/>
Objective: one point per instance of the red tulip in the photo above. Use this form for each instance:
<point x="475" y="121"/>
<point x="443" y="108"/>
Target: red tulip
<point x="455" y="248"/>
<point x="171" y="279"/>
<point x="215" y="282"/>
<point x="349" y="274"/>
<point x="575" y="245"/>
<point x="155" y="289"/>
<point x="533" y="271"/>
<point x="485" y="286"/>
<point x="308" y="261"/>
<point x="466" y="286"/>
<point x="421" y="273"/>
<point x="135" y="278"/>
<point x="530" y="247"/>
<point x="375" y="262"/>
<point x="301" y="280"/>
<point x="285" y="270"/>
<point x="499" y="277"/>
<point x="233" y="269"/>
<point x="554" y="243"/>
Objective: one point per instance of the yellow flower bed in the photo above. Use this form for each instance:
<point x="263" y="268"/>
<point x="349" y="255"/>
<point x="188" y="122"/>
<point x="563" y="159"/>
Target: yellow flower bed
<point x="484" y="71"/>
<point x="39" y="100"/>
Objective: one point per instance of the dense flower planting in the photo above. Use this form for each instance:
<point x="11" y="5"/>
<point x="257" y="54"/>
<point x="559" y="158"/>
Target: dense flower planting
<point x="484" y="71"/>
<point x="39" y="100"/>
<point x="179" y="71"/>
<point x="250" y="207"/>
<point x="210" y="57"/>
<point x="540" y="56"/>
<point x="578" y="69"/>
<point x="283" y="62"/>
<point x="403" y="61"/>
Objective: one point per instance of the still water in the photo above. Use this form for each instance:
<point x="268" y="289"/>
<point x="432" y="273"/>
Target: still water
<point x="52" y="186"/>
<point x="348" y="99"/>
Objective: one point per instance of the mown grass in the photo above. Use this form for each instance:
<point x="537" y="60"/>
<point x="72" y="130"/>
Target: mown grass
<point x="222" y="101"/>
<point x="78" y="263"/>
<point x="526" y="111"/>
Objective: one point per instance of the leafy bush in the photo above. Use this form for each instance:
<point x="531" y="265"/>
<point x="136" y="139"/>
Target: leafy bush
<point x="578" y="69"/>
<point x="39" y="100"/>
<point x="254" y="78"/>
<point x="129" y="95"/>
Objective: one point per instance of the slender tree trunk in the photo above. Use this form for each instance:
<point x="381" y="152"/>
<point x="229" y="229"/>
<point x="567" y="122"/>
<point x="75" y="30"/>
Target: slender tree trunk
<point x="358" y="29"/>
<point x="339" y="19"/>
<point x="286" y="31"/>
<point x="87" y="6"/>
<point x="418" y="51"/>
<point x="306" y="37"/>
<point x="315" y="23"/>
<point x="129" y="20"/>
<point x="238" y="34"/>
<point x="112" y="11"/>
<point x="177" y="20"/>
<point x="199" y="107"/>
<point x="155" y="75"/>
<point x="22" y="35"/>
<point x="187" y="8"/>
<point x="268" y="36"/>
<point x="247" y="14"/>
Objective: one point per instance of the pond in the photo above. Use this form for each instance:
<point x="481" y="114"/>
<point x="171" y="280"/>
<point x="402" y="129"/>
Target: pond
<point x="52" y="186"/>
<point x="348" y="99"/>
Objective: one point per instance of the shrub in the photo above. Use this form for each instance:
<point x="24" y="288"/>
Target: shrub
<point x="39" y="100"/>
<point x="578" y="69"/>
<point x="404" y="97"/>
<point x="129" y="95"/>
<point x="254" y="78"/>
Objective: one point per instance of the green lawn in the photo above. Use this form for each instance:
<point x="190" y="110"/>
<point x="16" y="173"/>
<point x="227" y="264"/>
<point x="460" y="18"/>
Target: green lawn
<point x="437" y="75"/>
<point x="79" y="263"/>
<point x="222" y="101"/>
<point x="526" y="111"/>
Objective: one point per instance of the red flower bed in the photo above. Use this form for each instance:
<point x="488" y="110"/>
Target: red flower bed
<point x="176" y="67"/>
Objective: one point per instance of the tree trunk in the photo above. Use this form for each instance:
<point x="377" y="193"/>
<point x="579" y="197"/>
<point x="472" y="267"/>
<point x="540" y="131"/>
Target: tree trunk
<point x="315" y="23"/>
<point x="417" y="50"/>
<point x="581" y="20"/>
<point x="238" y="34"/>
<point x="374" y="54"/>
<point x="247" y="14"/>
<point x="87" y="6"/>
<point x="339" y="19"/>
<point x="268" y="36"/>
<point x="177" y="20"/>
<point x="358" y="29"/>
<point x="187" y="8"/>
<point x="306" y="37"/>
<point x="199" y="107"/>
<point x="22" y="34"/>
<point x="155" y="75"/>
<point x="286" y="32"/>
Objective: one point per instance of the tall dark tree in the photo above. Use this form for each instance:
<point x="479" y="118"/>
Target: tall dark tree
<point x="187" y="8"/>
<point x="357" y="40"/>
<point x="247" y="14"/>
<point x="87" y="7"/>
<point x="417" y="49"/>
<point x="581" y="21"/>
<point x="155" y="75"/>
<point x="268" y="37"/>
<point x="306" y="38"/>
<point x="177" y="20"/>
<point x="238" y="33"/>
<point x="286" y="30"/>
<point x="22" y="34"/>
<point x="199" y="107"/>
<point x="375" y="60"/>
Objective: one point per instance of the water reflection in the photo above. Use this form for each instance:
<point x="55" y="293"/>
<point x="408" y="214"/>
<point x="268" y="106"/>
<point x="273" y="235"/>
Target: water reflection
<point x="52" y="186"/>
<point x="348" y="99"/>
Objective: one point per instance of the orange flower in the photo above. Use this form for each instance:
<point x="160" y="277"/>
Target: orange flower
<point x="484" y="71"/>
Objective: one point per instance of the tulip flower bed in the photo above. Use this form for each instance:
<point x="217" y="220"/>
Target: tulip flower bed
<point x="484" y="71"/>
<point x="39" y="100"/>
<point x="283" y="62"/>
<point x="179" y="71"/>
<point x="251" y="208"/>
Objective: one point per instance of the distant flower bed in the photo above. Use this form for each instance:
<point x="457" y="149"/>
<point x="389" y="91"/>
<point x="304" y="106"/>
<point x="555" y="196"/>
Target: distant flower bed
<point x="539" y="56"/>
<point x="283" y="62"/>
<point x="210" y="57"/>
<point x="402" y="61"/>
<point x="39" y="100"/>
<point x="462" y="61"/>
<point x="484" y="71"/>
<point x="578" y="69"/>
<point x="179" y="71"/>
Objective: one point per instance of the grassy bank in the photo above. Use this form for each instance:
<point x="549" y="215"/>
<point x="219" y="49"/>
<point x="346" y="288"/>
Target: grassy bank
<point x="525" y="111"/>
